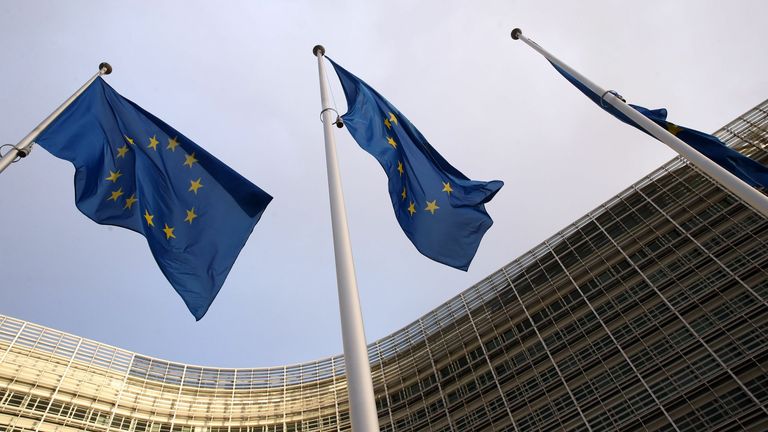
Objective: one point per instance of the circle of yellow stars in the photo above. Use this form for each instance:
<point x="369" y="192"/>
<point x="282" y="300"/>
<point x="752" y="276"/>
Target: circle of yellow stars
<point x="115" y="195"/>
<point x="431" y="206"/>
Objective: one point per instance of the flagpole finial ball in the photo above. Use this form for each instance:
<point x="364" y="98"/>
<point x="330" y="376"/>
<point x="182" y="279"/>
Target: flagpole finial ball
<point x="106" y="67"/>
<point x="318" y="49"/>
<point x="516" y="33"/>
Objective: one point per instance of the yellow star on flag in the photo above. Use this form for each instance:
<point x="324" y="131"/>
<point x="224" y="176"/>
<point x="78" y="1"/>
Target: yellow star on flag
<point x="673" y="128"/>
<point x="432" y="206"/>
<point x="190" y="216"/>
<point x="115" y="195"/>
<point x="121" y="151"/>
<point x="412" y="208"/>
<point x="130" y="201"/>
<point x="400" y="167"/>
<point x="190" y="159"/>
<point x="391" y="142"/>
<point x="113" y="176"/>
<point x="447" y="187"/>
<point x="387" y="123"/>
<point x="148" y="217"/>
<point x="172" y="143"/>
<point x="403" y="194"/>
<point x="130" y="140"/>
<point x="393" y="119"/>
<point x="195" y="185"/>
<point x="153" y="143"/>
<point x="168" y="232"/>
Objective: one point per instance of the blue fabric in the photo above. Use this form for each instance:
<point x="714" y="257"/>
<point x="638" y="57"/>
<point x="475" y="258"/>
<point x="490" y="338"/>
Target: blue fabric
<point x="440" y="210"/>
<point x="750" y="171"/>
<point x="136" y="172"/>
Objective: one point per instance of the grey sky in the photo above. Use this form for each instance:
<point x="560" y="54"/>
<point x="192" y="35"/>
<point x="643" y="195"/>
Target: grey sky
<point x="240" y="80"/>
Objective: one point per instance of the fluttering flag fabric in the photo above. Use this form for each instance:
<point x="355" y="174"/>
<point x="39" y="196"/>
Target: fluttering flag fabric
<point x="440" y="210"/>
<point x="136" y="172"/>
<point x="750" y="171"/>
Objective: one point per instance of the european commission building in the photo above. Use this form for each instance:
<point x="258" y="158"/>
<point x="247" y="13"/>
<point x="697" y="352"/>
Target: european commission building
<point x="649" y="313"/>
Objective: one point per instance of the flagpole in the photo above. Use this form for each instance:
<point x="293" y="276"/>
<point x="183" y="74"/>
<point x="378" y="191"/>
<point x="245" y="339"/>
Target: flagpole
<point x="362" y="406"/>
<point x="725" y="178"/>
<point x="23" y="148"/>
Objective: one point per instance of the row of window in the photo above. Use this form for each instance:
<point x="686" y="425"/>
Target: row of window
<point x="25" y="405"/>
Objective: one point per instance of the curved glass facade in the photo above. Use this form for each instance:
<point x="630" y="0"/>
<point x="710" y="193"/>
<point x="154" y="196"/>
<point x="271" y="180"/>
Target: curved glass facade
<point x="649" y="313"/>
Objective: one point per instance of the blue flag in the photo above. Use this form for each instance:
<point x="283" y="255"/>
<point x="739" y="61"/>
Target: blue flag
<point x="440" y="210"/>
<point x="750" y="171"/>
<point x="136" y="172"/>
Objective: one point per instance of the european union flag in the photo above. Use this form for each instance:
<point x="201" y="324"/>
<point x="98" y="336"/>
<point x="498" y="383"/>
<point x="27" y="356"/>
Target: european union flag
<point x="136" y="172"/>
<point x="748" y="170"/>
<point x="440" y="210"/>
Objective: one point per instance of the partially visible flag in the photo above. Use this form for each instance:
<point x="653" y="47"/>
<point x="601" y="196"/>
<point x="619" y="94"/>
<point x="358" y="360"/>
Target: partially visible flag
<point x="748" y="170"/>
<point x="440" y="210"/>
<point x="136" y="172"/>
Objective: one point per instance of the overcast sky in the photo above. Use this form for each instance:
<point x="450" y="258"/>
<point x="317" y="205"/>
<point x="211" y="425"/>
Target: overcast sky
<point x="239" y="79"/>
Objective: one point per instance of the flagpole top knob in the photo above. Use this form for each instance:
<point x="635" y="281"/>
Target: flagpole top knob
<point x="516" y="33"/>
<point x="106" y="68"/>
<point x="318" y="49"/>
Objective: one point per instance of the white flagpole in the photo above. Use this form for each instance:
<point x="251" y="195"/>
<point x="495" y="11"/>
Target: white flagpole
<point x="362" y="406"/>
<point x="726" y="179"/>
<point x="23" y="148"/>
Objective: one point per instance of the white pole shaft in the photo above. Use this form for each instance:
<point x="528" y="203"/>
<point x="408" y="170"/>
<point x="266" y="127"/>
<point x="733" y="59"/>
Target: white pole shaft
<point x="104" y="69"/>
<point x="726" y="179"/>
<point x="362" y="406"/>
